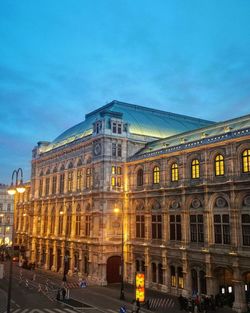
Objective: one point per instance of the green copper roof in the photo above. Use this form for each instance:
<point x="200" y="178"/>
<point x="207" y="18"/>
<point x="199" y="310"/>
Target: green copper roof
<point x="141" y="121"/>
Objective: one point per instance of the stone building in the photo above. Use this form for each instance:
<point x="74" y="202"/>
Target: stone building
<point x="182" y="187"/>
<point x="6" y="216"/>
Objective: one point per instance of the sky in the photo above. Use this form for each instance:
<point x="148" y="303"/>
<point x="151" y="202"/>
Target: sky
<point x="61" y="59"/>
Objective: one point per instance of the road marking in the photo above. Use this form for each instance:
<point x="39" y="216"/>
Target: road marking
<point x="69" y="310"/>
<point x="110" y="310"/>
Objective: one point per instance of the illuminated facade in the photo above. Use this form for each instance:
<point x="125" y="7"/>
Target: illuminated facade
<point x="182" y="187"/>
<point x="6" y="216"/>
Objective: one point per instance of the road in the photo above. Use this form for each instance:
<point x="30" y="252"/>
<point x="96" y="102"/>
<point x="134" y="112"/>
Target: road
<point x="37" y="294"/>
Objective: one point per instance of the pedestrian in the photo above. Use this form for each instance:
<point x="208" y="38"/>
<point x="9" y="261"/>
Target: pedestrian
<point x="138" y="305"/>
<point x="123" y="309"/>
<point x="58" y="295"/>
<point x="181" y="302"/>
<point x="134" y="306"/>
<point x="63" y="293"/>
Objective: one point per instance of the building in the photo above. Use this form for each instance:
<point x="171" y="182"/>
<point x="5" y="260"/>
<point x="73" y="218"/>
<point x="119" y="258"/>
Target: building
<point x="182" y="188"/>
<point x="6" y="217"/>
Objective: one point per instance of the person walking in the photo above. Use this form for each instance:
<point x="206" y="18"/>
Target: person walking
<point x="138" y="305"/>
<point x="63" y="293"/>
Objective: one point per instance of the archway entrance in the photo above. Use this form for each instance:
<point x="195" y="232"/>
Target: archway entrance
<point x="114" y="269"/>
<point x="51" y="258"/>
<point x="225" y="277"/>
<point x="59" y="260"/>
<point x="246" y="278"/>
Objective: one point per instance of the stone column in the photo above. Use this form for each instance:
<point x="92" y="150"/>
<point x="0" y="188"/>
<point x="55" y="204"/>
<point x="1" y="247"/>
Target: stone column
<point x="187" y="290"/>
<point x="147" y="268"/>
<point x="54" y="267"/>
<point x="71" y="260"/>
<point x="46" y="265"/>
<point x="240" y="304"/>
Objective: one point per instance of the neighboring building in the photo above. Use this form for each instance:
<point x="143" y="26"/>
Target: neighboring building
<point x="182" y="185"/>
<point x="6" y="216"/>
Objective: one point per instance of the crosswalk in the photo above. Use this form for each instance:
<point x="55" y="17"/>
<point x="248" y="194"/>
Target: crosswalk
<point x="156" y="304"/>
<point x="45" y="310"/>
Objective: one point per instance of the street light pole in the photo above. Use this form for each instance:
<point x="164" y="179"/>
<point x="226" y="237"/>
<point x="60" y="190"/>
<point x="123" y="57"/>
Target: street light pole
<point x="18" y="187"/>
<point x="122" y="296"/>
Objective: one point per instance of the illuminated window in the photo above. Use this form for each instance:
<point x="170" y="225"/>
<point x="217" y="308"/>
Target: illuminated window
<point x="88" y="177"/>
<point x="245" y="220"/>
<point x="195" y="169"/>
<point x="116" y="180"/>
<point x="174" y="172"/>
<point x="70" y="181"/>
<point x="79" y="180"/>
<point x="219" y="165"/>
<point x="173" y="276"/>
<point x="156" y="175"/>
<point x="113" y="181"/>
<point x="60" y="223"/>
<point x="78" y="220"/>
<point x="246" y="161"/>
<point x="140" y="177"/>
<point x="180" y="277"/>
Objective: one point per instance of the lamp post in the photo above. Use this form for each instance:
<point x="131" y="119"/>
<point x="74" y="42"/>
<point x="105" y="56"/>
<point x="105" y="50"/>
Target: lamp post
<point x="122" y="296"/>
<point x="17" y="187"/>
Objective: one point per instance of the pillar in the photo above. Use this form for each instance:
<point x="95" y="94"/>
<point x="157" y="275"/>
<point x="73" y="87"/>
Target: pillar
<point x="240" y="304"/>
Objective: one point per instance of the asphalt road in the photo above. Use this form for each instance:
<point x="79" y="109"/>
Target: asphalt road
<point x="37" y="294"/>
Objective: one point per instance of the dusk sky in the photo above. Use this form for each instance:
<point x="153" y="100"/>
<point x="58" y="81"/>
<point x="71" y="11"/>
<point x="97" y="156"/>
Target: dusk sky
<point x="62" y="59"/>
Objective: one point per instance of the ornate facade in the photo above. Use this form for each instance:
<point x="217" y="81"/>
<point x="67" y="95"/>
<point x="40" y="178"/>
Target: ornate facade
<point x="6" y="216"/>
<point x="182" y="187"/>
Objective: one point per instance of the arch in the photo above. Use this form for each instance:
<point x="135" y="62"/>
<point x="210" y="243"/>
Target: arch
<point x="79" y="162"/>
<point x="156" y="174"/>
<point x="48" y="171"/>
<point x="240" y="151"/>
<point x="113" y="269"/>
<point x="41" y="173"/>
<point x="213" y="197"/>
<point x="246" y="161"/>
<point x="139" y="177"/>
<point x="54" y="169"/>
<point x="174" y="172"/>
<point x="70" y="165"/>
<point x="153" y="272"/>
<point x="62" y="167"/>
<point x="154" y="205"/>
<point x="195" y="169"/>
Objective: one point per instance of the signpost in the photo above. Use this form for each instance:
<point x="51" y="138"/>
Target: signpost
<point x="140" y="287"/>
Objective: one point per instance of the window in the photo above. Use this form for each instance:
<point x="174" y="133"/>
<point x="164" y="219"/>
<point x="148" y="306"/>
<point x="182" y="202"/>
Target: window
<point x="79" y="180"/>
<point x="78" y="221"/>
<point x="88" y="177"/>
<point x="116" y="128"/>
<point x="98" y="127"/>
<point x="246" y="161"/>
<point x="174" y="172"/>
<point x="68" y="222"/>
<point x="219" y="165"/>
<point x="47" y="186"/>
<point x="54" y="182"/>
<point x="153" y="272"/>
<point x="195" y="169"/>
<point x="180" y="277"/>
<point x="140" y="226"/>
<point x="8" y="207"/>
<point x="116" y="150"/>
<point x="173" y="277"/>
<point x="156" y="175"/>
<point x="45" y="223"/>
<point x="196" y="228"/>
<point x="40" y="190"/>
<point x="221" y="229"/>
<point x="116" y="180"/>
<point x="70" y="181"/>
<point x="61" y="186"/>
<point x="175" y="227"/>
<point x="60" y="224"/>
<point x="38" y="229"/>
<point x="245" y="220"/>
<point x="156" y="226"/>
<point x="140" y="177"/>
<point x="87" y="225"/>
<point x="53" y="220"/>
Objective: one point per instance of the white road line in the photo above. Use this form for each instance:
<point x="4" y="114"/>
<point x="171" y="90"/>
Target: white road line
<point x="69" y="310"/>
<point x="49" y="310"/>
<point x="16" y="311"/>
<point x="110" y="310"/>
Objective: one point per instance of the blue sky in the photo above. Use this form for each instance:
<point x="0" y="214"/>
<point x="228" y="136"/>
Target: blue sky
<point x="61" y="59"/>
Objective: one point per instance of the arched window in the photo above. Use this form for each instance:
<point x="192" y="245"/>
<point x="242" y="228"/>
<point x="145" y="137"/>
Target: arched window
<point x="156" y="175"/>
<point x="173" y="277"/>
<point x="78" y="220"/>
<point x="88" y="177"/>
<point x="180" y="277"/>
<point x="53" y="220"/>
<point x="140" y="177"/>
<point x="219" y="165"/>
<point x="246" y="161"/>
<point x="60" y="222"/>
<point x="45" y="222"/>
<point x="174" y="172"/>
<point x="153" y="265"/>
<point x="195" y="169"/>
<point x="69" y="219"/>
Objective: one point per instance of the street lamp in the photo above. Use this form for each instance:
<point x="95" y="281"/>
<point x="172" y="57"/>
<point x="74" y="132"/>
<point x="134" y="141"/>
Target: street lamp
<point x="20" y="188"/>
<point x="122" y="296"/>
